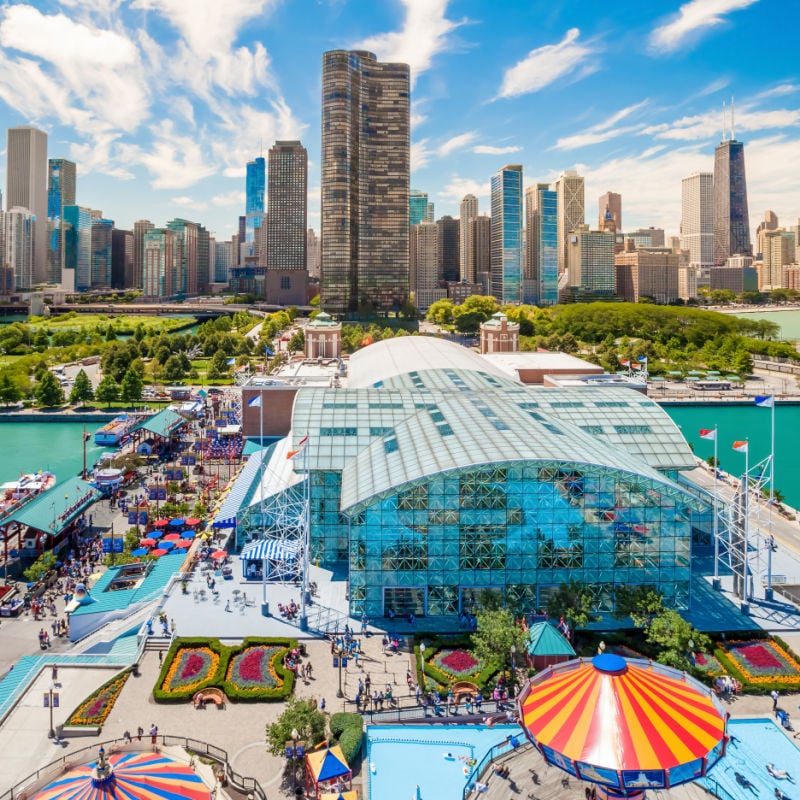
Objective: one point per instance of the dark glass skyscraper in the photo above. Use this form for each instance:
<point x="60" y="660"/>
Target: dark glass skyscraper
<point x="365" y="183"/>
<point x="542" y="243"/>
<point x="507" y="234"/>
<point x="60" y="193"/>
<point x="731" y="219"/>
<point x="255" y="192"/>
<point x="418" y="207"/>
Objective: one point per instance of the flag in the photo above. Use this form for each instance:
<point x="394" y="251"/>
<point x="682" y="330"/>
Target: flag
<point x="269" y="352"/>
<point x="708" y="433"/>
<point x="765" y="400"/>
<point x="625" y="362"/>
<point x="230" y="361"/>
<point x="303" y="441"/>
<point x="637" y="366"/>
<point x="642" y="358"/>
<point x="255" y="402"/>
<point x="740" y="447"/>
<point x="300" y="447"/>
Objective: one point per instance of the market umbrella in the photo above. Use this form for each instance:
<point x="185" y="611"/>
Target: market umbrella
<point x="183" y="544"/>
<point x="136" y="776"/>
<point x="219" y="554"/>
<point x="155" y="534"/>
<point x="167" y="545"/>
<point x="177" y="523"/>
<point x="159" y="552"/>
<point x="161" y="523"/>
<point x="192" y="521"/>
<point x="186" y="534"/>
<point x="149" y="542"/>
<point x="171" y="536"/>
<point x="140" y="551"/>
<point x="626" y="725"/>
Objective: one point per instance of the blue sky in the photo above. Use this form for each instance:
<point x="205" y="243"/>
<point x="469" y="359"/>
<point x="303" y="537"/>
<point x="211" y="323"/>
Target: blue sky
<point x="162" y="102"/>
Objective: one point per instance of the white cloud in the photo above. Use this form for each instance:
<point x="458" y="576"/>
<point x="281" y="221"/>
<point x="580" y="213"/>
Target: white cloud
<point x="423" y="36"/>
<point x="417" y="117"/>
<point x="189" y="202"/>
<point x="236" y="197"/>
<point x="602" y="131"/>
<point x="420" y="154"/>
<point x="457" y="187"/>
<point x="546" y="64"/>
<point x="456" y="143"/>
<point x="693" y="18"/>
<point x="491" y="150"/>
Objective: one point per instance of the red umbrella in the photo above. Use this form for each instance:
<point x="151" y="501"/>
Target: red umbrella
<point x="159" y="552"/>
<point x="184" y="543"/>
<point x="192" y="521"/>
<point x="160" y="523"/>
<point x="172" y="536"/>
<point x="147" y="542"/>
<point x="219" y="554"/>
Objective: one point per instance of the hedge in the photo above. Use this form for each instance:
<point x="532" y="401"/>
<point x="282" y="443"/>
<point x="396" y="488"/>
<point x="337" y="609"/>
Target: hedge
<point x="347" y="730"/>
<point x="219" y="678"/>
<point x="433" y="645"/>
<point x="73" y="720"/>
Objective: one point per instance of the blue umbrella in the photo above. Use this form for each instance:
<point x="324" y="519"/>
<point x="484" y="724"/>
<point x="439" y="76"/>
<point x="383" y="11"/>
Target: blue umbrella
<point x="140" y="551"/>
<point x="188" y="534"/>
<point x="177" y="523"/>
<point x="166" y="545"/>
<point x="156" y="534"/>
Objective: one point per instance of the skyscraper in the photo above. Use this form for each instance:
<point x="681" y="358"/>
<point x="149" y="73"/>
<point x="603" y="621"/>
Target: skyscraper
<point x="255" y="191"/>
<point x="191" y="257"/>
<point x="102" y="253"/>
<point x="60" y="193"/>
<point x="541" y="244"/>
<point x="223" y="257"/>
<point x="77" y="272"/>
<point x="610" y="206"/>
<point x="312" y="253"/>
<point x="287" y="221"/>
<point x="448" y="249"/>
<point x="571" y="211"/>
<point x="16" y="248"/>
<point x="590" y="263"/>
<point x="731" y="219"/>
<point x="425" y="258"/>
<point x="507" y="234"/>
<point x="26" y="186"/>
<point x="779" y="251"/>
<point x="365" y="183"/>
<point x="121" y="259"/>
<point x="417" y="206"/>
<point x="769" y="223"/>
<point x="140" y="228"/>
<point x="467" y="211"/>
<point x="159" y="263"/>
<point x="697" y="218"/>
<point x="480" y="265"/>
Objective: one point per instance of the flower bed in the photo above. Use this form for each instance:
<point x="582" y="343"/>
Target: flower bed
<point x="708" y="664"/>
<point x="254" y="669"/>
<point x="761" y="661"/>
<point x="457" y="663"/>
<point x="449" y="660"/>
<point x="96" y="708"/>
<point x="190" y="667"/>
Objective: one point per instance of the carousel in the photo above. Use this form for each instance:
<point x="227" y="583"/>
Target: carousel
<point x="625" y="725"/>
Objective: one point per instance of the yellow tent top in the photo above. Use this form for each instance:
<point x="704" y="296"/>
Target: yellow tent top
<point x="327" y="763"/>
<point x="349" y="795"/>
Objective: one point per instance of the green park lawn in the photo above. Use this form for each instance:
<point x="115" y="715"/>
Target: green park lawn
<point x="124" y="323"/>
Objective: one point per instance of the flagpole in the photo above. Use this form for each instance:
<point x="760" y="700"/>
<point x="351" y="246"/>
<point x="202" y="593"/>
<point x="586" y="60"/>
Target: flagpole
<point x="306" y="538"/>
<point x="715" y="531"/>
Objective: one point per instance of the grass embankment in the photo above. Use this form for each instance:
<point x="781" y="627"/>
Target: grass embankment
<point x="122" y="324"/>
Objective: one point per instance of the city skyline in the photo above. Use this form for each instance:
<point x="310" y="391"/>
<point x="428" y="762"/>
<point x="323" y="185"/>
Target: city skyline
<point x="487" y="82"/>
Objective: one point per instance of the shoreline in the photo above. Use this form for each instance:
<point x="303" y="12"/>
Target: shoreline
<point x="753" y="309"/>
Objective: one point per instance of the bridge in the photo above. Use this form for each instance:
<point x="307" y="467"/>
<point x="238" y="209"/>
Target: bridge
<point x="202" y="310"/>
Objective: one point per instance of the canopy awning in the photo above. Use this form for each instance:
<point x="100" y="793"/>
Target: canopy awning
<point x="241" y="489"/>
<point x="271" y="549"/>
<point x="55" y="509"/>
<point x="162" y="424"/>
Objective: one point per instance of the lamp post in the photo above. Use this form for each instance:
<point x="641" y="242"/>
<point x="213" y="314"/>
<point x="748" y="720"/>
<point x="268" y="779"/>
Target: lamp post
<point x="52" y="732"/>
<point x="512" y="681"/>
<point x="339" y="653"/>
<point x="295" y="737"/>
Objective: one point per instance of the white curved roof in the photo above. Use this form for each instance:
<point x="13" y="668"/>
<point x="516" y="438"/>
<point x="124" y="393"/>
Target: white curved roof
<point x="391" y="358"/>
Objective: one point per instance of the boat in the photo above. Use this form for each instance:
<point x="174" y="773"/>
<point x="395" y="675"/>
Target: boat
<point x="112" y="432"/>
<point x="14" y="494"/>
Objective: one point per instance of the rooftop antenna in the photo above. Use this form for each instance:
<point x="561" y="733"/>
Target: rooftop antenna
<point x="723" y="121"/>
<point x="733" y="129"/>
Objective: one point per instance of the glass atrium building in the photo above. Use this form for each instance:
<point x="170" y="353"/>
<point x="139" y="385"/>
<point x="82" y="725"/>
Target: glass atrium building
<point x="434" y="476"/>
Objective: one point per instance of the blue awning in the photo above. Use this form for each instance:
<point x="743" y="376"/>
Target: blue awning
<point x="272" y="549"/>
<point x="240" y="491"/>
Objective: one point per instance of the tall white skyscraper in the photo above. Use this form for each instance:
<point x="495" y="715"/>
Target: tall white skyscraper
<point x="571" y="211"/>
<point x="467" y="211"/>
<point x="697" y="218"/>
<point x="26" y="186"/>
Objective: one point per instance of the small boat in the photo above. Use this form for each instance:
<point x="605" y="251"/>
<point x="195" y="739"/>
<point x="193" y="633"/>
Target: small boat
<point x="113" y="432"/>
<point x="14" y="494"/>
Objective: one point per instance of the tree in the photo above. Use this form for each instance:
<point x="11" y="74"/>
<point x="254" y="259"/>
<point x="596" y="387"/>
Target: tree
<point x="641" y="603"/>
<point x="107" y="390"/>
<point x="218" y="368"/>
<point x="132" y="386"/>
<point x="41" y="566"/>
<point x="496" y="635"/>
<point x="297" y="342"/>
<point x="173" y="369"/>
<point x="48" y="392"/>
<point x="9" y="391"/>
<point x="673" y="634"/>
<point x="299" y="715"/>
<point x="573" y="601"/>
<point x="82" y="390"/>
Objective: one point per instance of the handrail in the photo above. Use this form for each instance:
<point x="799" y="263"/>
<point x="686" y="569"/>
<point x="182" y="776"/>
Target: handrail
<point x="489" y="757"/>
<point x="21" y="789"/>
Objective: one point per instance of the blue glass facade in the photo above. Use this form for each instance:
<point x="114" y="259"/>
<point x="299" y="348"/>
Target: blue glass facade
<point x="506" y="245"/>
<point x="255" y="194"/>
<point x="418" y="207"/>
<point x="101" y="253"/>
<point x="60" y="193"/>
<point x="78" y="246"/>
<point x="547" y="233"/>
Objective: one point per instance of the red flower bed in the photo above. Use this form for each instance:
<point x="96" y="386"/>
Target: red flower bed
<point x="192" y="667"/>
<point x="460" y="661"/>
<point x="759" y="656"/>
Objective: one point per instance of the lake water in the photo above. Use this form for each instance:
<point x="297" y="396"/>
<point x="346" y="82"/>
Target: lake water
<point x="53" y="446"/>
<point x="788" y="320"/>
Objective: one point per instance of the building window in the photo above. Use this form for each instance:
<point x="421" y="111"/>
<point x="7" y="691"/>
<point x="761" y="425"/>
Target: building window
<point x="286" y="282"/>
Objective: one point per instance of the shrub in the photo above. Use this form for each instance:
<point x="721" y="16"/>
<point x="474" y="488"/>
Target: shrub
<point x="347" y="730"/>
<point x="285" y="676"/>
<point x="94" y="711"/>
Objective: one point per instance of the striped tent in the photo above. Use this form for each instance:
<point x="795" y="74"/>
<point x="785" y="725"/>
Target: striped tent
<point x="270" y="550"/>
<point x="625" y="725"/>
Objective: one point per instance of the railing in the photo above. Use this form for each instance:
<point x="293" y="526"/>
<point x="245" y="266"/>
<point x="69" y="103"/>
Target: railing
<point x="713" y="788"/>
<point x="427" y="716"/>
<point x="22" y="789"/>
<point x="481" y="767"/>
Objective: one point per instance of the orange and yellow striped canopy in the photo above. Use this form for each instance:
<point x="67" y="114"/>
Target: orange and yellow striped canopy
<point x="621" y="715"/>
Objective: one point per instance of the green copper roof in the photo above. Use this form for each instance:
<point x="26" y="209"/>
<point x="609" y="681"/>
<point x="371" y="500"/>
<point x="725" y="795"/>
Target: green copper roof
<point x="545" y="640"/>
<point x="56" y="508"/>
<point x="162" y="424"/>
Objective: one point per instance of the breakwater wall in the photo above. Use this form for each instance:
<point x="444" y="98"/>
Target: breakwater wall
<point x="56" y="416"/>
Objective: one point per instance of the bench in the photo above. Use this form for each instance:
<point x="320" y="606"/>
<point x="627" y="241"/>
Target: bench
<point x="212" y="695"/>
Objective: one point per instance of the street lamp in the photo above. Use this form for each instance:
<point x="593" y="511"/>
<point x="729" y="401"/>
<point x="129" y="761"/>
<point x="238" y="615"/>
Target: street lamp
<point x="339" y="655"/>
<point x="295" y="737"/>
<point x="50" y="692"/>
<point x="512" y="682"/>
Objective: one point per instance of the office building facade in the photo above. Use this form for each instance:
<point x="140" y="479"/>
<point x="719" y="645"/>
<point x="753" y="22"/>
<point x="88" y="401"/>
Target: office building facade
<point x="255" y="194"/>
<point x="541" y="243"/>
<point x="159" y="263"/>
<point x="61" y="180"/>
<point x="449" y="248"/>
<point x="365" y="183"/>
<point x="506" y="246"/>
<point x="779" y="252"/>
<point x="102" y="253"/>
<point x="287" y="206"/>
<point x="77" y="273"/>
<point x="417" y="207"/>
<point x="571" y="210"/>
<point x="697" y="218"/>
<point x="17" y="248"/>
<point x="468" y="210"/>
<point x="610" y="211"/>
<point x="140" y="228"/>
<point x="590" y="263"/>
<point x="731" y="218"/>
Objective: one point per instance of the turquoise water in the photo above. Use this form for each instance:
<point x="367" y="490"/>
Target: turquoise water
<point x="788" y="320"/>
<point x="401" y="757"/>
<point x="747" y="422"/>
<point x="757" y="742"/>
<point x="53" y="446"/>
